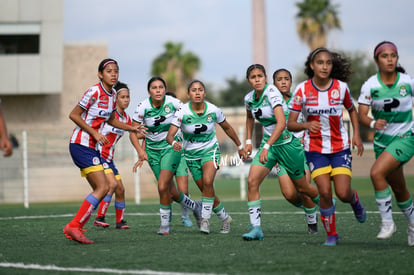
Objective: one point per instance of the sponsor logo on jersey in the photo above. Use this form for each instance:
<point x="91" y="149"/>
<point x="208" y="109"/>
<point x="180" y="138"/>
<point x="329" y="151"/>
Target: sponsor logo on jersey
<point x="117" y="131"/>
<point x="329" y="111"/>
<point x="103" y="113"/>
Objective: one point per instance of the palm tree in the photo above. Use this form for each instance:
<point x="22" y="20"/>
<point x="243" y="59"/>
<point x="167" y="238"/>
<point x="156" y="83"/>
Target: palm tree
<point x="314" y="19"/>
<point x="176" y="68"/>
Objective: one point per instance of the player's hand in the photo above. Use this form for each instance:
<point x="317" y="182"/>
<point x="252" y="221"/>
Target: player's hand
<point x="243" y="154"/>
<point x="6" y="146"/>
<point x="140" y="130"/>
<point x="101" y="139"/>
<point x="177" y="146"/>
<point x="263" y="156"/>
<point x="314" y="126"/>
<point x="248" y="148"/>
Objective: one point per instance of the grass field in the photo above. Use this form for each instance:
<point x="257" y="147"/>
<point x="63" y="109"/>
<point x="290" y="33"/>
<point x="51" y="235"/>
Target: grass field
<point x="32" y="241"/>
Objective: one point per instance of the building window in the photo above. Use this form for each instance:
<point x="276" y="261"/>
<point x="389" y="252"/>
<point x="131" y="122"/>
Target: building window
<point x="19" y="44"/>
<point x="19" y="38"/>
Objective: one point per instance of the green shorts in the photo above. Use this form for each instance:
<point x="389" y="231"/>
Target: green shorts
<point x="401" y="148"/>
<point x="280" y="170"/>
<point x="182" y="169"/>
<point x="196" y="165"/>
<point x="166" y="159"/>
<point x="290" y="156"/>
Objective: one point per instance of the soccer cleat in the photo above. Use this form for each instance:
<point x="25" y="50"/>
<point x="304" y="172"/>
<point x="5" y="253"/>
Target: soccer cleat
<point x="331" y="241"/>
<point x="122" y="225"/>
<point x="186" y="222"/>
<point x="359" y="211"/>
<point x="205" y="226"/>
<point x="197" y="212"/>
<point x="410" y="233"/>
<point x="225" y="225"/>
<point x="100" y="222"/>
<point x="164" y="230"/>
<point x="312" y="228"/>
<point x="386" y="230"/>
<point x="76" y="234"/>
<point x="255" y="234"/>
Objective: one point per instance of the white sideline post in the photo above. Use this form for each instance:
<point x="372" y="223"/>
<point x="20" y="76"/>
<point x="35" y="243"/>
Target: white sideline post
<point x="136" y="182"/>
<point x="242" y="174"/>
<point x="25" y="171"/>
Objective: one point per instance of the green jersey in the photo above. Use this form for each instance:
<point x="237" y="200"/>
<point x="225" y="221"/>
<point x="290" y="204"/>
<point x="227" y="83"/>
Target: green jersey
<point x="157" y="120"/>
<point x="394" y="104"/>
<point x="198" y="130"/>
<point x="262" y="111"/>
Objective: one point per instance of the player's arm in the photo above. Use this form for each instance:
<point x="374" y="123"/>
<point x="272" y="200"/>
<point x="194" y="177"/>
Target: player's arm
<point x="76" y="117"/>
<point x="228" y="129"/>
<point x="249" y="132"/>
<point x="177" y="146"/>
<point x="133" y="137"/>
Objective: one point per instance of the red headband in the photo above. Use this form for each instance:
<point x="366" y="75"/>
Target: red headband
<point x="108" y="62"/>
<point x="383" y="47"/>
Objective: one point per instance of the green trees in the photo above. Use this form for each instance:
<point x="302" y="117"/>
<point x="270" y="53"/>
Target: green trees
<point x="177" y="68"/>
<point x="233" y="94"/>
<point x="314" y="19"/>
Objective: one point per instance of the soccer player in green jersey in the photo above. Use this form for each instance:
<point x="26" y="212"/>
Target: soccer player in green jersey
<point x="282" y="79"/>
<point x="197" y="119"/>
<point x="156" y="113"/>
<point x="266" y="105"/>
<point x="389" y="95"/>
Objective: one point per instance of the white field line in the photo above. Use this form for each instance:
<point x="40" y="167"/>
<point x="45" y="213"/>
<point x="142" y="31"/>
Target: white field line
<point x="95" y="270"/>
<point x="176" y="214"/>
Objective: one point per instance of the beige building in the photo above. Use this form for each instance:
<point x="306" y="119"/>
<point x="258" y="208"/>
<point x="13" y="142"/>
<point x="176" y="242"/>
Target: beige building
<point x="31" y="58"/>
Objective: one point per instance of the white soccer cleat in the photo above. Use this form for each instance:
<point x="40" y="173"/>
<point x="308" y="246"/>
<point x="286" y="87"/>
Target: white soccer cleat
<point x="205" y="226"/>
<point x="225" y="225"/>
<point x="387" y="229"/>
<point x="164" y="230"/>
<point x="410" y="234"/>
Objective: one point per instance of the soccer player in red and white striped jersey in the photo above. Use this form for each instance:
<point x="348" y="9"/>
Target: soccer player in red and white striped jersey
<point x="96" y="107"/>
<point x="321" y="99"/>
<point x="107" y="151"/>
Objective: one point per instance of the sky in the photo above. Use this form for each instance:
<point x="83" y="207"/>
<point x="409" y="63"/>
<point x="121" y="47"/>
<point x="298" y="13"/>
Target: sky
<point x="219" y="33"/>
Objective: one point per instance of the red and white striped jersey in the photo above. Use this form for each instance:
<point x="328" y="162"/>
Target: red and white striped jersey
<point x="113" y="135"/>
<point x="98" y="105"/>
<point x="325" y="107"/>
